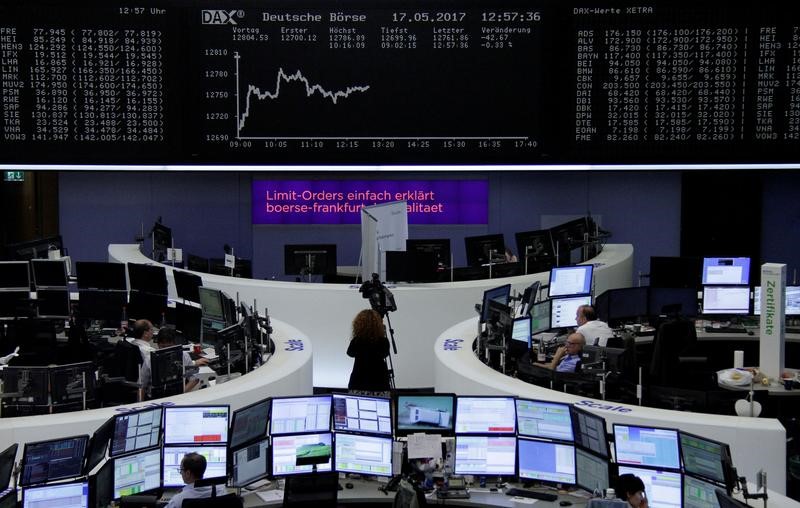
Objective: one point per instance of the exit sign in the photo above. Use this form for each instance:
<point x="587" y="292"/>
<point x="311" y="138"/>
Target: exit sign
<point x="14" y="176"/>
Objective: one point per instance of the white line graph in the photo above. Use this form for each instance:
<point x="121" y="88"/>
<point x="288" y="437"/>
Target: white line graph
<point x="280" y="78"/>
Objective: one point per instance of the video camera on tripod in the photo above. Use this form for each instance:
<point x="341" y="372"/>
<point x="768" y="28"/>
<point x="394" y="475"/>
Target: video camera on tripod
<point x="380" y="298"/>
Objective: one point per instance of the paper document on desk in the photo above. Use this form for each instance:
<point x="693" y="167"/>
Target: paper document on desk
<point x="424" y="446"/>
<point x="269" y="496"/>
<point x="522" y="500"/>
<point x="210" y="353"/>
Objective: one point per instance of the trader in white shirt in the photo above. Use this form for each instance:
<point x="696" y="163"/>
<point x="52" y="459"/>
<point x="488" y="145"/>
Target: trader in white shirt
<point x="143" y="339"/>
<point x="193" y="467"/>
<point x="594" y="331"/>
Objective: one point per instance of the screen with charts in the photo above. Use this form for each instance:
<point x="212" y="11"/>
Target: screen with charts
<point x="249" y="423"/>
<point x="663" y="488"/>
<point x="137" y="473"/>
<point x="521" y="330"/>
<point x="563" y="311"/>
<point x="291" y="415"/>
<point x="546" y="461"/>
<point x="726" y="271"/>
<point x="537" y="418"/>
<point x="540" y="317"/>
<point x="370" y="455"/>
<point x="136" y="431"/>
<point x="646" y="446"/>
<point x="726" y="300"/>
<point x="485" y="415"/>
<point x="704" y="457"/>
<point x="570" y="280"/>
<point x="359" y="413"/>
<point x="250" y="463"/>
<point x="698" y="493"/>
<point x="63" y="495"/>
<point x="216" y="462"/>
<point x="791" y="299"/>
<point x="195" y="424"/>
<point x="591" y="471"/>
<point x="590" y="431"/>
<point x="300" y="453"/>
<point x="425" y="413"/>
<point x="486" y="455"/>
<point x="56" y="459"/>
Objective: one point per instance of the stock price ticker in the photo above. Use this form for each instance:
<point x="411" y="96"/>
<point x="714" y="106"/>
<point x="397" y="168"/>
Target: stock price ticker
<point x="400" y="82"/>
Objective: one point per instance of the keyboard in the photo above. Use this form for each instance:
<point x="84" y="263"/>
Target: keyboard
<point x="452" y="494"/>
<point x="728" y="329"/>
<point x="544" y="496"/>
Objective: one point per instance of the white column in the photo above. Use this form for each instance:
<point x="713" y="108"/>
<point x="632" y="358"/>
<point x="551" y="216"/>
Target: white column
<point x="773" y="310"/>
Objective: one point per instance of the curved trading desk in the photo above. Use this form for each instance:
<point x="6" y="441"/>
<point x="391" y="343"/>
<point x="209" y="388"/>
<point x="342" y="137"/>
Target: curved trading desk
<point x="324" y="311"/>
<point x="288" y="372"/>
<point x="756" y="443"/>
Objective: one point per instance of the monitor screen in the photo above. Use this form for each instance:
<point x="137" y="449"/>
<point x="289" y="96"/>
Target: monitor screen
<point x="486" y="455"/>
<point x="370" y="455"/>
<point x="63" y="495"/>
<point x="791" y="299"/>
<point x="98" y="444"/>
<point x="310" y="259"/>
<point x="299" y="453"/>
<point x="570" y="280"/>
<point x="425" y="413"/>
<point x="521" y="330"/>
<point x="292" y="415"/>
<point x="249" y="423"/>
<point x="627" y="304"/>
<point x="726" y="271"/>
<point x="147" y="306"/>
<point x="14" y="275"/>
<point x="53" y="303"/>
<point x="726" y="300"/>
<point x="704" y="457"/>
<point x="101" y="486"/>
<point x="439" y="247"/>
<point x="211" y="303"/>
<point x="216" y="463"/>
<point x="187" y="284"/>
<point x="698" y="493"/>
<point x="97" y="275"/>
<point x="56" y="459"/>
<point x="646" y="446"/>
<point x="675" y="272"/>
<point x="591" y="471"/>
<point x="162" y="237"/>
<point x="15" y="304"/>
<point x="147" y="278"/>
<point x="195" y="424"/>
<point x="167" y="370"/>
<point x="485" y="249"/>
<point x="590" y="431"/>
<point x="250" y="462"/>
<point x="546" y="461"/>
<point x="537" y="418"/>
<point x="528" y="298"/>
<point x="663" y="489"/>
<point x="500" y="294"/>
<point x="102" y="305"/>
<point x="136" y="431"/>
<point x="534" y="245"/>
<point x="485" y="415"/>
<point x="137" y="473"/>
<point x="540" y="317"/>
<point x="357" y="413"/>
<point x="49" y="273"/>
<point x="31" y="382"/>
<point x="662" y="301"/>
<point x="563" y="311"/>
<point x="7" y="458"/>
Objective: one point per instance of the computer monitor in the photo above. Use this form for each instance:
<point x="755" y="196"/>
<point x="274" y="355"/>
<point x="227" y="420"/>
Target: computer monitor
<point x="147" y="278"/>
<point x="15" y="304"/>
<point x="646" y="446"/>
<point x="726" y="271"/>
<point x="56" y="459"/>
<point x="704" y="457"/>
<point x="31" y="383"/>
<point x="97" y="275"/>
<point x="49" y="273"/>
<point x="250" y="462"/>
<point x="425" y="413"/>
<point x="63" y="495"/>
<point x="362" y="454"/>
<point x="675" y="272"/>
<point x="162" y="239"/>
<point x="196" y="424"/>
<point x="412" y="266"/>
<point x="563" y="311"/>
<point x="439" y="247"/>
<point x="485" y="415"/>
<point x="791" y="299"/>
<point x="150" y="306"/>
<point x="590" y="432"/>
<point x="301" y="453"/>
<point x="570" y="236"/>
<point x="69" y="383"/>
<point x="484" y="249"/>
<point x="540" y="316"/>
<point x="663" y="301"/>
<point x="500" y="294"/>
<point x="216" y="462"/>
<point x="102" y="305"/>
<point x="727" y="300"/>
<point x="188" y="321"/>
<point x="7" y="458"/>
<point x="137" y="473"/>
<point x="664" y="489"/>
<point x="361" y="413"/>
<point x="528" y="298"/>
<point x="98" y="445"/>
<point x="291" y="415"/>
<point x="211" y="303"/>
<point x="537" y="248"/>
<point x="546" y="461"/>
<point x="136" y="430"/>
<point x="53" y="304"/>
<point x="549" y="420"/>
<point x="166" y="371"/>
<point x="309" y="259"/>
<point x="14" y="275"/>
<point x="486" y="455"/>
<point x="727" y="501"/>
<point x="249" y="423"/>
<point x="196" y="263"/>
<point x="101" y="486"/>
<point x="187" y="284"/>
<point x="626" y="304"/>
<point x="591" y="471"/>
<point x="570" y="280"/>
<point x="520" y="335"/>
<point x="699" y="493"/>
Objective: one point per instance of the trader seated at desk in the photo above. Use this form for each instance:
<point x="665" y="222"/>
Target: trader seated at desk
<point x="568" y="356"/>
<point x="193" y="467"/>
<point x="595" y="332"/>
<point x="167" y="338"/>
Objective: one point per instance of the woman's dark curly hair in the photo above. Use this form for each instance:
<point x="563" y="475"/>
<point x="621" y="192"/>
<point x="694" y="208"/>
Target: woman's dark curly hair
<point x="368" y="324"/>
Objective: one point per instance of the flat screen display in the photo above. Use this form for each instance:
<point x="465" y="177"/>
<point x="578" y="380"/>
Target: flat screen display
<point x="546" y="461"/>
<point x="299" y="453"/>
<point x="14" y="275"/>
<point x="571" y="280"/>
<point x="646" y="446"/>
<point x="485" y="415"/>
<point x="540" y="317"/>
<point x="293" y="415"/>
<point x="521" y="330"/>
<point x="590" y="431"/>
<point x="249" y="423"/>
<point x="250" y="463"/>
<point x="550" y="420"/>
<point x="136" y="431"/>
<point x="726" y="300"/>
<point x="196" y="424"/>
<point x="358" y="413"/>
<point x="726" y="271"/>
<point x="698" y="493"/>
<point x="361" y="454"/>
<point x="791" y="299"/>
<point x="434" y="414"/>
<point x="49" y="273"/>
<point x="704" y="457"/>
<point x="486" y="455"/>
<point x="664" y="489"/>
<point x="500" y="294"/>
<point x="216" y="462"/>
<point x="563" y="311"/>
<point x="137" y="473"/>
<point x="63" y="495"/>
<point x="591" y="471"/>
<point x="56" y="459"/>
<point x="97" y="275"/>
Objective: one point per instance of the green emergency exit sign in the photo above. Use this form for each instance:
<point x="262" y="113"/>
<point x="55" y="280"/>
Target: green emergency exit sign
<point x="14" y="176"/>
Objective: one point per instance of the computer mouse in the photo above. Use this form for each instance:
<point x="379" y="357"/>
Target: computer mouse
<point x="348" y="485"/>
<point x="565" y="503"/>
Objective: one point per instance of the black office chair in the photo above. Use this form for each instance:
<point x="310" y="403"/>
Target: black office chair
<point x="675" y="361"/>
<point x="313" y="490"/>
<point x="120" y="380"/>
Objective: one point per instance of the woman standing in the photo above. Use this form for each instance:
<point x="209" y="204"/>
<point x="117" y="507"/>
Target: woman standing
<point x="370" y="347"/>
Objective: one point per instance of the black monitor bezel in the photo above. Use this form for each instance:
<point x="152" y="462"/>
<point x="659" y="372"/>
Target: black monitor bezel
<point x="87" y="367"/>
<point x="440" y="248"/>
<point x="63" y="280"/>
<point x="267" y="461"/>
<point x="291" y="251"/>
<point x="279" y="399"/>
<point x="472" y="244"/>
<point x="187" y="406"/>
<point x="488" y="436"/>
<point x="357" y="435"/>
<point x="402" y="432"/>
<point x="165" y="447"/>
<point x="739" y="312"/>
<point x="550" y="442"/>
<point x="5" y="455"/>
<point x="564" y="405"/>
<point x="101" y="437"/>
<point x="340" y="395"/>
<point x="725" y="456"/>
<point x="485" y="433"/>
<point x="147" y="278"/>
<point x="614" y="427"/>
<point x="133" y="454"/>
<point x="585" y="267"/>
<point x="53" y="303"/>
<point x="606" y="460"/>
<point x="588" y="301"/>
<point x="103" y="276"/>
<point x="294" y="434"/>
<point x="506" y="290"/>
<point x="83" y="481"/>
<point x="24" y="462"/>
<point x="187" y="285"/>
<point x="117" y="417"/>
<point x="238" y="444"/>
<point x="19" y="265"/>
<point x="606" y="453"/>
